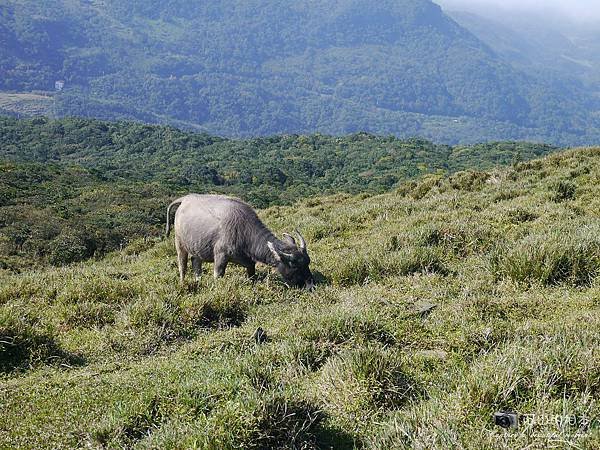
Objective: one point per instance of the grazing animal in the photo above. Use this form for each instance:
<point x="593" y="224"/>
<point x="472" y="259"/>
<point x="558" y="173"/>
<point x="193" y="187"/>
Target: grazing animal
<point x="221" y="229"/>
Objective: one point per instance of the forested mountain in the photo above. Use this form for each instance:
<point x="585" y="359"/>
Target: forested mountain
<point x="250" y="67"/>
<point x="77" y="187"/>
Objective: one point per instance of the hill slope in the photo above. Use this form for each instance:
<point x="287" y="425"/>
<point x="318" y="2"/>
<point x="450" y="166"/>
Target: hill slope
<point x="113" y="353"/>
<point x="74" y="188"/>
<point x="262" y="67"/>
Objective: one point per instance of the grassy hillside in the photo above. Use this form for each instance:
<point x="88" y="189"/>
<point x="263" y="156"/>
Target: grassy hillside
<point x="24" y="105"/>
<point x="438" y="304"/>
<point x="74" y="188"/>
<point x="247" y="68"/>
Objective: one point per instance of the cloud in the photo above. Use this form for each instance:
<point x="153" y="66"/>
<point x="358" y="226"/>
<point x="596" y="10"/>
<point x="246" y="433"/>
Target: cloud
<point x="575" y="10"/>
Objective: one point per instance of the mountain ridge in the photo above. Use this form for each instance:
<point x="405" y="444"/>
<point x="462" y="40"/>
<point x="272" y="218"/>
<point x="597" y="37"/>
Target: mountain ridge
<point x="255" y="68"/>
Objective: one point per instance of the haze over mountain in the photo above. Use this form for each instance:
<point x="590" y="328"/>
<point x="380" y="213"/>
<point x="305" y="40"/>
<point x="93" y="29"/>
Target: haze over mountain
<point x="565" y="12"/>
<point x="555" y="37"/>
<point x="243" y="68"/>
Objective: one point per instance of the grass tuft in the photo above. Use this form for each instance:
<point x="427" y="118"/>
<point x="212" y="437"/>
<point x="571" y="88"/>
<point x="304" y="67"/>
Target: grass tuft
<point x="358" y="382"/>
<point x="130" y="427"/>
<point x="375" y="266"/>
<point x="287" y="424"/>
<point x="520" y="215"/>
<point x="461" y="239"/>
<point x="551" y="258"/>
<point x="24" y="346"/>
<point x="563" y="191"/>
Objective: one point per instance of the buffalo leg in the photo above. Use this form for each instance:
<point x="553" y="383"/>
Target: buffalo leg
<point x="220" y="265"/>
<point x="197" y="267"/>
<point x="251" y="270"/>
<point x="182" y="260"/>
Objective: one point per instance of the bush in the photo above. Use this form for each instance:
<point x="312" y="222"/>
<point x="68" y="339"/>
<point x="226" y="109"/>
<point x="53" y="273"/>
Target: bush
<point x="468" y="180"/>
<point x="68" y="248"/>
<point x="421" y="188"/>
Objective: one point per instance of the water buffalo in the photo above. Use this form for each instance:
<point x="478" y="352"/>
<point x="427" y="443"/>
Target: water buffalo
<point x="222" y="229"/>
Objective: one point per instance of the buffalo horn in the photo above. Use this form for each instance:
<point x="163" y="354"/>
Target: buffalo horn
<point x="301" y="240"/>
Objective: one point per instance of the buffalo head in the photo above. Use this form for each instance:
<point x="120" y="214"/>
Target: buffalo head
<point x="293" y="261"/>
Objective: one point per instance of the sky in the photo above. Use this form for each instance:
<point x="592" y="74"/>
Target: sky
<point x="576" y="10"/>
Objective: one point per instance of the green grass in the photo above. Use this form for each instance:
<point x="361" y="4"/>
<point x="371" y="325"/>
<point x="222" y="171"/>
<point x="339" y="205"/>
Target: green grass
<point x="563" y="255"/>
<point x="438" y="304"/>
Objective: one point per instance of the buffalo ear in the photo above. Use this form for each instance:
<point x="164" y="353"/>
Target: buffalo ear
<point x="273" y="251"/>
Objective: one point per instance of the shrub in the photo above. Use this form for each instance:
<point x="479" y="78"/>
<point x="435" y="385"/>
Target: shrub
<point x="68" y="248"/>
<point x="468" y="180"/>
<point x="421" y="188"/>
